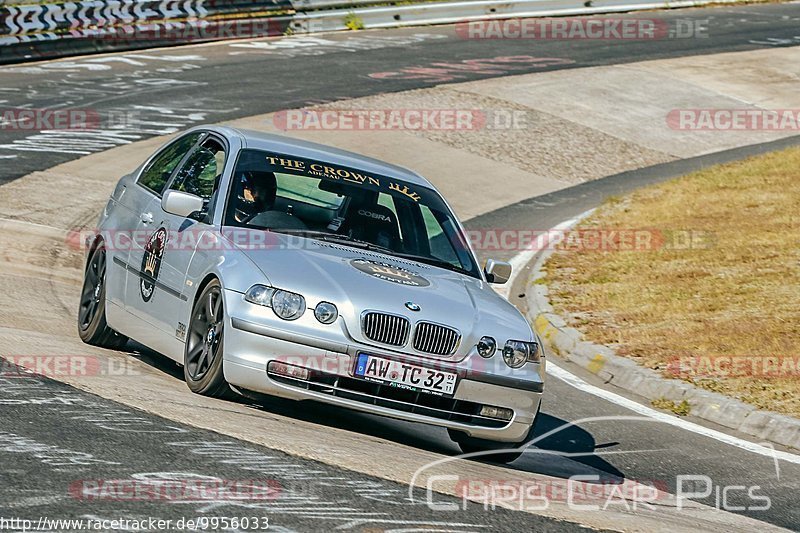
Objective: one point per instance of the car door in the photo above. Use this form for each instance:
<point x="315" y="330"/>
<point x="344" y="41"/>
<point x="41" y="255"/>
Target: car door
<point x="165" y="297"/>
<point x="126" y="203"/>
<point x="150" y="236"/>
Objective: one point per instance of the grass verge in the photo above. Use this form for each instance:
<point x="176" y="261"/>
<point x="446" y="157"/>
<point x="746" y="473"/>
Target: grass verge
<point x="698" y="278"/>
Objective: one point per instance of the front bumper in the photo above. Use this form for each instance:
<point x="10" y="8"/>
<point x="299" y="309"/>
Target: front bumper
<point x="251" y="343"/>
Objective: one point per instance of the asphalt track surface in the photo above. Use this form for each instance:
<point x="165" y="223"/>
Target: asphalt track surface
<point x="180" y="86"/>
<point x="258" y="81"/>
<point x="62" y="450"/>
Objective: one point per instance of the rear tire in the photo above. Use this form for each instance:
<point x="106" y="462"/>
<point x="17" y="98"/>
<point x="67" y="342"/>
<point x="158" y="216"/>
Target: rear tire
<point x="202" y="357"/>
<point x="92" y="325"/>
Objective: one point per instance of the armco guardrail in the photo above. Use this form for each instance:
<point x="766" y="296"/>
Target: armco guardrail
<point x="449" y="12"/>
<point x="31" y="30"/>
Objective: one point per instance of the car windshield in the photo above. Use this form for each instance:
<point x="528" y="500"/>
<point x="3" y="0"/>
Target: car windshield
<point x="331" y="202"/>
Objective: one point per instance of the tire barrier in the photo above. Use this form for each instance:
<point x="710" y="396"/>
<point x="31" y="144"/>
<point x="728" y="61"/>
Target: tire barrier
<point x="31" y="30"/>
<point x="34" y="30"/>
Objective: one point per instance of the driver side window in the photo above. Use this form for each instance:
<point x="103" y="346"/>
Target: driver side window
<point x="199" y="175"/>
<point x="158" y="172"/>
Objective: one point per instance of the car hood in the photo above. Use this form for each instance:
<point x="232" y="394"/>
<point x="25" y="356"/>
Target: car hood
<point x="358" y="280"/>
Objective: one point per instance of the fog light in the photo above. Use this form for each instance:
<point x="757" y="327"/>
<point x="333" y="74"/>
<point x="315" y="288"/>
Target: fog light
<point x="326" y="312"/>
<point x="486" y="347"/>
<point x="290" y="371"/>
<point x="501" y="413"/>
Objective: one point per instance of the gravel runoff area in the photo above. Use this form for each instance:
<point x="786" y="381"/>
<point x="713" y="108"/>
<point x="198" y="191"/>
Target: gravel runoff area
<point x="512" y="133"/>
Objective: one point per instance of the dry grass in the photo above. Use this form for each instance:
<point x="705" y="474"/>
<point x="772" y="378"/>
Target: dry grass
<point x="735" y="293"/>
<point x="681" y="409"/>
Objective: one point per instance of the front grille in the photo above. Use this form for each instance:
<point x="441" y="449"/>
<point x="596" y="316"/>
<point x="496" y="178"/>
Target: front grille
<point x="386" y="329"/>
<point x="435" y="339"/>
<point x="395" y="398"/>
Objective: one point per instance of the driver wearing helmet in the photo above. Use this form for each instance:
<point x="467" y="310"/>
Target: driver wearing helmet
<point x="255" y="193"/>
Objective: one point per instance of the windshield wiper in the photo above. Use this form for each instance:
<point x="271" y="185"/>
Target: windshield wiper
<point x="434" y="261"/>
<point x="357" y="243"/>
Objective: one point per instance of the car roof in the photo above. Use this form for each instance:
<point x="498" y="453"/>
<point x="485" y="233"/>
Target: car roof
<point x="310" y="150"/>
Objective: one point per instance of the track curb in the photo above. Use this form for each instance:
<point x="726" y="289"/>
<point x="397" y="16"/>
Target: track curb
<point x="569" y="344"/>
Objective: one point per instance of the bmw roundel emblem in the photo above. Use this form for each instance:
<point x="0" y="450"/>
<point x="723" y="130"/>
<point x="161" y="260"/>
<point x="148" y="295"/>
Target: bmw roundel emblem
<point x="411" y="306"/>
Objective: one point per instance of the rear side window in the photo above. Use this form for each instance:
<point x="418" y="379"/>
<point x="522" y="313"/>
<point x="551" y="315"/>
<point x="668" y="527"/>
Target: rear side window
<point x="158" y="172"/>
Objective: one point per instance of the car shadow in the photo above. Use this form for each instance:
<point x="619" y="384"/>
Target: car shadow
<point x="568" y="450"/>
<point x="560" y="449"/>
<point x="153" y="359"/>
<point x="563" y="449"/>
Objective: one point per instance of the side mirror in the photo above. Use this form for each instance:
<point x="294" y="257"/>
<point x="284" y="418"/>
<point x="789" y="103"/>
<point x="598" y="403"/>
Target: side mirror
<point x="181" y="203"/>
<point x="497" y="271"/>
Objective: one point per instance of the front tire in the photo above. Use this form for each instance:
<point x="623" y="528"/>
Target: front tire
<point x="92" y="325"/>
<point x="472" y="445"/>
<point x="202" y="359"/>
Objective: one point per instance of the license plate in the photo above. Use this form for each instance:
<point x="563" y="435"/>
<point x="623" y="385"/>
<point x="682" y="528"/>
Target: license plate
<point x="405" y="375"/>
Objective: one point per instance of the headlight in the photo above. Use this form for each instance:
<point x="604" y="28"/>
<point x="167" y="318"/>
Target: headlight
<point x="326" y="312"/>
<point x="517" y="353"/>
<point x="259" y="294"/>
<point x="288" y="305"/>
<point x="486" y="347"/>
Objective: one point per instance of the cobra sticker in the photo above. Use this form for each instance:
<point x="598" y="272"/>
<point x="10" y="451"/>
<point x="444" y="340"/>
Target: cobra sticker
<point x="391" y="273"/>
<point x="151" y="263"/>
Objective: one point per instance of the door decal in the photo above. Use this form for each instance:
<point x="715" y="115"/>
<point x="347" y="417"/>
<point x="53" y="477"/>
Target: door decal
<point x="151" y="263"/>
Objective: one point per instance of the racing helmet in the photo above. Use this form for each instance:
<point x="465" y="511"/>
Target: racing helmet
<point x="255" y="193"/>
